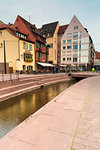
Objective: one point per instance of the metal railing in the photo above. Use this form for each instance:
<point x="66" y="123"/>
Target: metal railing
<point x="9" y="76"/>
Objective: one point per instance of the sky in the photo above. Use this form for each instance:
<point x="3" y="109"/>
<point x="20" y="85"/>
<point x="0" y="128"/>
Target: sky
<point x="41" y="12"/>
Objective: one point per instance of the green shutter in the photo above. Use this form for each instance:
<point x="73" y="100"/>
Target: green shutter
<point x="27" y="46"/>
<point x="40" y="56"/>
<point x="30" y="46"/>
<point x="37" y="67"/>
<point x="38" y="45"/>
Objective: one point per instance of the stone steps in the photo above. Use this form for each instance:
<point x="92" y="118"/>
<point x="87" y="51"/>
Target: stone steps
<point x="30" y="83"/>
<point x="28" y="79"/>
<point x="27" y="84"/>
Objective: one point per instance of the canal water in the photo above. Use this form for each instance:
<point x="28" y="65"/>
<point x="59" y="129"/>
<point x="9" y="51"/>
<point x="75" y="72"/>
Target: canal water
<point x="16" y="110"/>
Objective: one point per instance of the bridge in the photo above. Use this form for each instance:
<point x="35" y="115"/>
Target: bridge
<point x="85" y="74"/>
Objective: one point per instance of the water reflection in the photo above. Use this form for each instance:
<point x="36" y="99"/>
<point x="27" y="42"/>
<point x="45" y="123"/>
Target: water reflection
<point x="14" y="111"/>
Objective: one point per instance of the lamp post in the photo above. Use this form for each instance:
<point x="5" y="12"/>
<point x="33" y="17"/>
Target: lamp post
<point x="5" y="70"/>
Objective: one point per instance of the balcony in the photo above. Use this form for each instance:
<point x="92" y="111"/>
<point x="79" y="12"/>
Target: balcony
<point x="28" y="59"/>
<point x="40" y="60"/>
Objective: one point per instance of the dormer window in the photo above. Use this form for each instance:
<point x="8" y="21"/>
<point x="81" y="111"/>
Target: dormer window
<point x="18" y="34"/>
<point x="24" y="36"/>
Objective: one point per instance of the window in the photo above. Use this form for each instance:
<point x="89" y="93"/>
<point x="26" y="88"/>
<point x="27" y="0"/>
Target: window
<point x="75" y="59"/>
<point x="68" y="51"/>
<point x="69" y="41"/>
<point x="75" y="41"/>
<point x="24" y="45"/>
<point x="75" y="27"/>
<point x="18" y="34"/>
<point x="30" y="46"/>
<point x="24" y="36"/>
<point x="79" y="46"/>
<point x="69" y="59"/>
<point x="75" y="47"/>
<point x="69" y="47"/>
<point x="80" y="33"/>
<point x="63" y="59"/>
<point x="75" y="35"/>
<point x="64" y="42"/>
<point x="51" y="45"/>
<point x="75" y="54"/>
<point x="64" y="47"/>
<point x="69" y="35"/>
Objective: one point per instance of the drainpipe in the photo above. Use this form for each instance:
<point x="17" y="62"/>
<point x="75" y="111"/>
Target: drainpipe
<point x="18" y="50"/>
<point x="5" y="69"/>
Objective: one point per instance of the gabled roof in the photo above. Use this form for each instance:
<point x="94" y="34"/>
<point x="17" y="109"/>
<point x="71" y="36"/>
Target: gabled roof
<point x="48" y="30"/>
<point x="62" y="29"/>
<point x="32" y="29"/>
<point x="13" y="30"/>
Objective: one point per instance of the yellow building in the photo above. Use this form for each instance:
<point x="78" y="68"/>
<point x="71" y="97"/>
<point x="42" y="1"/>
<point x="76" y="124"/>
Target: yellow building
<point x="50" y="32"/>
<point x="20" y="53"/>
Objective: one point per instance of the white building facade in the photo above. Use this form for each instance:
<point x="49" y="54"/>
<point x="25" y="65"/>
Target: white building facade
<point x="77" y="50"/>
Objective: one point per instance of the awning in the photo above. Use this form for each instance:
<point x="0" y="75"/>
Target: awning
<point x="45" y="64"/>
<point x="62" y="65"/>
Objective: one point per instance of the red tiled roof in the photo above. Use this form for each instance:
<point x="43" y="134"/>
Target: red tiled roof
<point x="31" y="29"/>
<point x="62" y="29"/>
<point x="97" y="55"/>
<point x="13" y="30"/>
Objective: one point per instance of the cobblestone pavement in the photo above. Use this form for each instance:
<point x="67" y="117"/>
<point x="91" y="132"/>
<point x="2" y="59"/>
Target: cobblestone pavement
<point x="87" y="136"/>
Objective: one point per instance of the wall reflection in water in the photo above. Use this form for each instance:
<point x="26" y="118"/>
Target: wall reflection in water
<point x="14" y="111"/>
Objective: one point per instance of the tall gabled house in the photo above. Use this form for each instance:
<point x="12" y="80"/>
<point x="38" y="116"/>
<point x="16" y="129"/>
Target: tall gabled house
<point x="77" y="49"/>
<point x="19" y="49"/>
<point x="60" y="33"/>
<point x="49" y="31"/>
<point x="41" y="54"/>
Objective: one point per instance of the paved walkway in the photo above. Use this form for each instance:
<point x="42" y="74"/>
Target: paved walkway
<point x="71" y="121"/>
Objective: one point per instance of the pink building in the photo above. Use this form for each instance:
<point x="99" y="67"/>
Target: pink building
<point x="60" y="33"/>
<point x="77" y="50"/>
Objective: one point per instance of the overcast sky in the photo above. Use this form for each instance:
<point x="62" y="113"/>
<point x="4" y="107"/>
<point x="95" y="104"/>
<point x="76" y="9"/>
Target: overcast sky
<point x="46" y="11"/>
